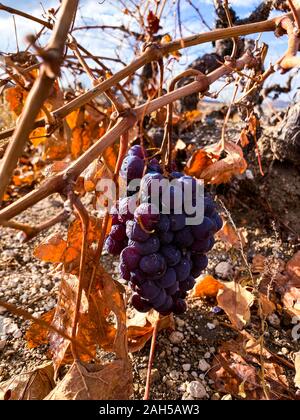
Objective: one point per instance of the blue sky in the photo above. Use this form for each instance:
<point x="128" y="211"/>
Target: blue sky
<point x="109" y="12"/>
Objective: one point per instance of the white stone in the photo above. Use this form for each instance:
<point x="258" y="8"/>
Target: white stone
<point x="186" y="367"/>
<point x="224" y="270"/>
<point x="211" y="326"/>
<point x="196" y="390"/>
<point x="207" y="356"/>
<point x="174" y="375"/>
<point x="180" y="322"/>
<point x="203" y="365"/>
<point x="176" y="337"/>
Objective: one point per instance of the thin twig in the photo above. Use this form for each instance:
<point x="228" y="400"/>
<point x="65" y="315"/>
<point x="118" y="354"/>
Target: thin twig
<point x="151" y="359"/>
<point x="26" y="315"/>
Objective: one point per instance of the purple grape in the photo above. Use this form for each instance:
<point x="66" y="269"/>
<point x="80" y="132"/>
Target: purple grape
<point x="158" y="276"/>
<point x="130" y="257"/>
<point x="114" y="247"/>
<point x="183" y="269"/>
<point x="132" y="168"/>
<point x="172" y="197"/>
<point x="169" y="279"/>
<point x="176" y="175"/>
<point x="149" y="290"/>
<point x="218" y="222"/>
<point x="115" y="219"/>
<point x="154" y="166"/>
<point x="201" y="247"/>
<point x="164" y="223"/>
<point x="125" y="206"/>
<point x="148" y="247"/>
<point x="166" y="308"/>
<point x="188" y="284"/>
<point x="172" y="255"/>
<point x="147" y="215"/>
<point x="160" y="299"/>
<point x="204" y="230"/>
<point x="209" y="206"/>
<point x="179" y="307"/>
<point x="173" y="289"/>
<point x="125" y="272"/>
<point x="200" y="261"/>
<point x="166" y="238"/>
<point x="135" y="232"/>
<point x="177" y="222"/>
<point x="184" y="237"/>
<point x="118" y="232"/>
<point x="153" y="264"/>
<point x="137" y="277"/>
<point x="138" y="151"/>
<point x="140" y="304"/>
<point x="189" y="184"/>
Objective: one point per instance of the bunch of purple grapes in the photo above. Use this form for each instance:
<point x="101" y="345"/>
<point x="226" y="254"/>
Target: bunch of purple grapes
<point x="160" y="254"/>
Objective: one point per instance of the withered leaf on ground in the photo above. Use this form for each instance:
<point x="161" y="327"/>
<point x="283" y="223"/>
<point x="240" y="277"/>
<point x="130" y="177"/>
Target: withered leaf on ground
<point x="140" y="328"/>
<point x="237" y="371"/>
<point x="236" y="301"/>
<point x="94" y="382"/>
<point x="231" y="237"/>
<point x="206" y="286"/>
<point x="33" y="385"/>
<point x="209" y="165"/>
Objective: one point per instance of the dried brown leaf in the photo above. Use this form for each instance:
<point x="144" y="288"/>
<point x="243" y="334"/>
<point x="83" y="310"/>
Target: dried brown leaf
<point x="236" y="301"/>
<point x="231" y="237"/>
<point x="112" y="381"/>
<point x="140" y="328"/>
<point x="223" y="170"/>
<point x="237" y="371"/>
<point x="33" y="385"/>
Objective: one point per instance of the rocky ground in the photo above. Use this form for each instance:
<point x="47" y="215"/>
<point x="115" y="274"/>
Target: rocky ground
<point x="184" y="357"/>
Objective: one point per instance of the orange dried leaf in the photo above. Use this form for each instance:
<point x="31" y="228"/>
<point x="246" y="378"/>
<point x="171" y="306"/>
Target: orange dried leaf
<point x="293" y="266"/>
<point x="16" y="97"/>
<point x="110" y="157"/>
<point x="236" y="301"/>
<point x="198" y="162"/>
<point x="207" y="287"/>
<point x="267" y="306"/>
<point x="244" y="138"/>
<point x="51" y="249"/>
<point x="36" y="335"/>
<point x="231" y="237"/>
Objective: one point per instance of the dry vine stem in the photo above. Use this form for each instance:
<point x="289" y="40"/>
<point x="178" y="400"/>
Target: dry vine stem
<point x="61" y="181"/>
<point x="53" y="57"/>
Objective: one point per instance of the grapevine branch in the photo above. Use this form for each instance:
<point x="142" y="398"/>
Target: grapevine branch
<point x="153" y="53"/>
<point x="126" y="120"/>
<point x="53" y="57"/>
